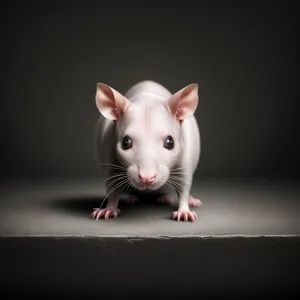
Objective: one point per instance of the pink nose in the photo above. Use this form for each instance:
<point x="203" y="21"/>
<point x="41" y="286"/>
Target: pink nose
<point x="147" y="179"/>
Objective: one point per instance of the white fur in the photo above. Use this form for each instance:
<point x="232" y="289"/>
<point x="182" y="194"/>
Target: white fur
<point x="149" y="149"/>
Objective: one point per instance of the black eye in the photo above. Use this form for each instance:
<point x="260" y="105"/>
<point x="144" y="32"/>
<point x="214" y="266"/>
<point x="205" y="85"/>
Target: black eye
<point x="126" y="143"/>
<point x="169" y="143"/>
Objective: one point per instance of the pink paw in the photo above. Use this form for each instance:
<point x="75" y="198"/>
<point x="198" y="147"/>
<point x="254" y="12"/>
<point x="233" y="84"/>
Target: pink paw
<point x="105" y="212"/>
<point x="185" y="215"/>
<point x="164" y="199"/>
<point x="194" y="202"/>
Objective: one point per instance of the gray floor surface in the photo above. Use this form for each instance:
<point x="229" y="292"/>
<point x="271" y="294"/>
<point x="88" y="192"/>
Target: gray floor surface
<point x="62" y="207"/>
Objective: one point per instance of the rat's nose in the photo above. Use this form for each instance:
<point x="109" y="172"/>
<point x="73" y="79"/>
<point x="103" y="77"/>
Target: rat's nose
<point x="147" y="179"/>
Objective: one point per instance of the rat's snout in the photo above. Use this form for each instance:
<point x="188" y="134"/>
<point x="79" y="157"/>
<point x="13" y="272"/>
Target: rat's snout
<point x="147" y="179"/>
<point x="146" y="174"/>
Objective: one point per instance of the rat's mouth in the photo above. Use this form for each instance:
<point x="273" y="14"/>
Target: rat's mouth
<point x="142" y="187"/>
<point x="147" y="186"/>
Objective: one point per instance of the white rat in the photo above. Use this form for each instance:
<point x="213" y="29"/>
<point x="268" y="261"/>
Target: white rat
<point x="150" y="140"/>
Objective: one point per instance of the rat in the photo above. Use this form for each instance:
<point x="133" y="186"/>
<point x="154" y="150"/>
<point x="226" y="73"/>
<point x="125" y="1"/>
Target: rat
<point x="149" y="139"/>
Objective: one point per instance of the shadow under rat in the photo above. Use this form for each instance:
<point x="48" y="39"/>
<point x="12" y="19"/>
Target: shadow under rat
<point x="83" y="205"/>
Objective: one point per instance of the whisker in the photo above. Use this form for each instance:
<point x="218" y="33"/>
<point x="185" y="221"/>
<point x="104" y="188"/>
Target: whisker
<point x="180" y="187"/>
<point x="115" y="175"/>
<point x="172" y="186"/>
<point x="127" y="186"/>
<point x="130" y="182"/>
<point x="175" y="186"/>
<point x="178" y="173"/>
<point x="116" y="180"/>
<point x="118" y="185"/>
<point x="178" y="184"/>
<point x="181" y="168"/>
<point x="130" y="188"/>
<point x="112" y="166"/>
<point x="180" y="179"/>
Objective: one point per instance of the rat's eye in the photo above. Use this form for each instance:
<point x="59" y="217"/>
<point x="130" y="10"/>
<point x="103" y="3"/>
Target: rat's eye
<point x="169" y="143"/>
<point x="126" y="143"/>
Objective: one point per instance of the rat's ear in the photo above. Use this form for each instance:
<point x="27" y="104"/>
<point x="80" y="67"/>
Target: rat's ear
<point x="183" y="104"/>
<point x="110" y="103"/>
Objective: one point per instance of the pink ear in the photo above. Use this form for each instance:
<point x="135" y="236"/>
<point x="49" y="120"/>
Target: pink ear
<point x="183" y="104"/>
<point x="110" y="103"/>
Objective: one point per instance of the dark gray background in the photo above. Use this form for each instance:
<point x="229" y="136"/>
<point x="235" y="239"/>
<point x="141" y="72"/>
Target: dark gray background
<point x="242" y="55"/>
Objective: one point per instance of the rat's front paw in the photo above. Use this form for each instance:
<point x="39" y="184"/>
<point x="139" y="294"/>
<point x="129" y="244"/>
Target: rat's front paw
<point x="165" y="199"/>
<point x="194" y="202"/>
<point x="186" y="215"/>
<point x="105" y="212"/>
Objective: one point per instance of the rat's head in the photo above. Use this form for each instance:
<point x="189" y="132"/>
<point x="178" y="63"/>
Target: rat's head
<point x="149" y="136"/>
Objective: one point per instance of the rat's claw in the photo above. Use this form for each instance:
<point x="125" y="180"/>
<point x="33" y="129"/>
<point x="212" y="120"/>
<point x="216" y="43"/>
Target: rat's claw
<point x="100" y="214"/>
<point x="106" y="213"/>
<point x="185" y="215"/>
<point x="106" y="216"/>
